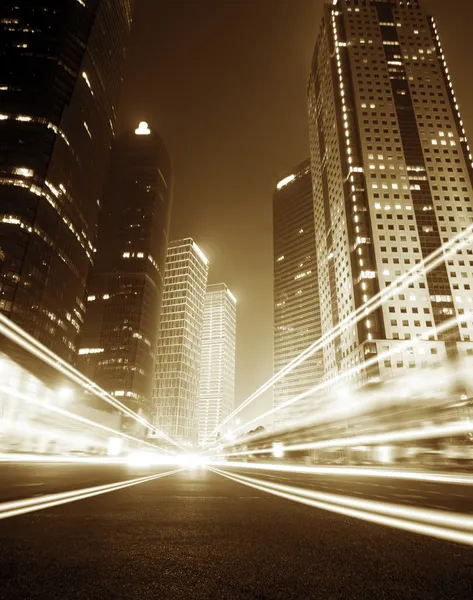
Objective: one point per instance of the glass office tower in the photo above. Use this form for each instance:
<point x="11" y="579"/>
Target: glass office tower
<point x="217" y="370"/>
<point x="125" y="286"/>
<point x="296" y="291"/>
<point x="60" y="77"/>
<point x="392" y="180"/>
<point x="177" y="373"/>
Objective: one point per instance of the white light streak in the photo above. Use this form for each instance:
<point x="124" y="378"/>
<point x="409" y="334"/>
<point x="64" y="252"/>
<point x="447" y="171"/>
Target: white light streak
<point x="21" y="507"/>
<point x="65" y="413"/>
<point x="19" y="458"/>
<point x="453" y="527"/>
<point x="439" y="256"/>
<point x="445" y="326"/>
<point x="403" y="435"/>
<point x="380" y="472"/>
<point x="29" y="343"/>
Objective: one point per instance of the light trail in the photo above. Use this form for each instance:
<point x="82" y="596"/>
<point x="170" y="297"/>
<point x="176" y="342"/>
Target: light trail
<point x="18" y="458"/>
<point x="65" y="413"/>
<point x="21" y="507"/>
<point x="353" y="371"/>
<point x="374" y="472"/>
<point x="427" y="264"/>
<point x="403" y="435"/>
<point x="453" y="527"/>
<point x="17" y="335"/>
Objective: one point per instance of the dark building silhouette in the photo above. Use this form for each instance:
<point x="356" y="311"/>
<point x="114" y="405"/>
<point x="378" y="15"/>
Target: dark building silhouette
<point x="60" y="76"/>
<point x="125" y="286"/>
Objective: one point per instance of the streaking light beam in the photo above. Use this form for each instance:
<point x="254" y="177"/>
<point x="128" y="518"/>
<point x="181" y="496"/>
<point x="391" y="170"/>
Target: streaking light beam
<point x="351" y="472"/>
<point x="439" y="256"/>
<point x="453" y="527"/>
<point x="21" y="507"/>
<point x="432" y="331"/>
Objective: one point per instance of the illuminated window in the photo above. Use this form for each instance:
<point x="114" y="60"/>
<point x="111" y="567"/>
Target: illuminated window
<point x="23" y="172"/>
<point x="88" y="130"/>
<point x="86" y="78"/>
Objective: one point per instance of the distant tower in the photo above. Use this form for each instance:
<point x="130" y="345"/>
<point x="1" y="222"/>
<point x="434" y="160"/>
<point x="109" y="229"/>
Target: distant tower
<point x="125" y="287"/>
<point x="176" y="388"/>
<point x="392" y="179"/>
<point x="62" y="66"/>
<point x="296" y="292"/>
<point x="217" y="371"/>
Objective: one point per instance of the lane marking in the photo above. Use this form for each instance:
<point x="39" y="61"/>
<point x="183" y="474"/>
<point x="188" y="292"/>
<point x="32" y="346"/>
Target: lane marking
<point x="416" y="520"/>
<point x="20" y="507"/>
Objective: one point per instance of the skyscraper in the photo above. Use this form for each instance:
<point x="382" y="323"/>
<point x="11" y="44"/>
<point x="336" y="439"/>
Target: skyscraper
<point x="391" y="172"/>
<point x="125" y="286"/>
<point x="296" y="292"/>
<point x="176" y="388"/>
<point x="60" y="78"/>
<point x="217" y="371"/>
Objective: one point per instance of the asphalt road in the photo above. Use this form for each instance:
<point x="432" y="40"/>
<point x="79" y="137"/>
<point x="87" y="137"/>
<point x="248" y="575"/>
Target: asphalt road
<point x="19" y="481"/>
<point x="425" y="494"/>
<point x="197" y="535"/>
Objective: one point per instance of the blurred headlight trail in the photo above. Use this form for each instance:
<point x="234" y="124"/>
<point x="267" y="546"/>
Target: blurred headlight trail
<point x="439" y="256"/>
<point x="403" y="435"/>
<point x="21" y="507"/>
<point x="23" y="339"/>
<point x="453" y="527"/>
<point x="20" y="457"/>
<point x="445" y="326"/>
<point x="350" y="472"/>
<point x="65" y="413"/>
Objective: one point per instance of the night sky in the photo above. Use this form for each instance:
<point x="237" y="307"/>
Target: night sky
<point x="224" y="83"/>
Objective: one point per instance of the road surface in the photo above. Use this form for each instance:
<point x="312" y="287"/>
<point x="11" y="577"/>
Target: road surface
<point x="198" y="535"/>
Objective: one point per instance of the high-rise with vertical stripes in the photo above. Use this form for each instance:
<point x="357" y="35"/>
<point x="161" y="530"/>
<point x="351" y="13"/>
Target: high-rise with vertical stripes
<point x="392" y="183"/>
<point x="177" y="367"/>
<point x="217" y="370"/>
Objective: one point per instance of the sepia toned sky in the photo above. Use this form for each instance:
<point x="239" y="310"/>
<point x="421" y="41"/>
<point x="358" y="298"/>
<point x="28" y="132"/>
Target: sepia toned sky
<point x="224" y="83"/>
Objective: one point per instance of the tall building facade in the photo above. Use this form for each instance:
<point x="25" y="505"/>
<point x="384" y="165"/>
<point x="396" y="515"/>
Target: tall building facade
<point x="217" y="370"/>
<point x="296" y="290"/>
<point x="60" y="78"/>
<point x="125" y="286"/>
<point x="178" y="355"/>
<point x="392" y="180"/>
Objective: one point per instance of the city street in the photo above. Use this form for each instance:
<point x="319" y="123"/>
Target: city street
<point x="197" y="534"/>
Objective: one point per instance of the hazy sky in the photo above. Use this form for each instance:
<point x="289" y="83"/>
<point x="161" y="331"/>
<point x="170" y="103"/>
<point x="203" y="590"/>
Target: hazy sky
<point x="224" y="83"/>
